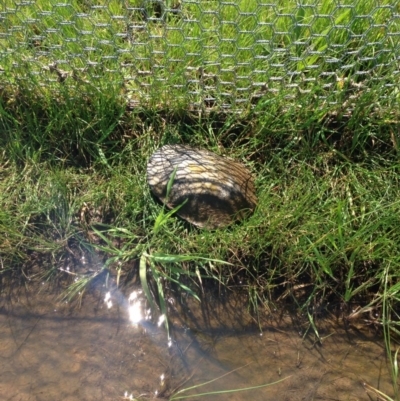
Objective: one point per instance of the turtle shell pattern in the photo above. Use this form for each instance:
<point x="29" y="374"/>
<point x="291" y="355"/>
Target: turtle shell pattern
<point x="217" y="190"/>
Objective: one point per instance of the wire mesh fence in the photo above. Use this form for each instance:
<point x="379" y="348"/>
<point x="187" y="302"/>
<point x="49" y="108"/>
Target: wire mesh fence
<point x="204" y="54"/>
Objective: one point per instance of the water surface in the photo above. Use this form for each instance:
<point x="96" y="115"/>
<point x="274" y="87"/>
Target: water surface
<point x="50" y="350"/>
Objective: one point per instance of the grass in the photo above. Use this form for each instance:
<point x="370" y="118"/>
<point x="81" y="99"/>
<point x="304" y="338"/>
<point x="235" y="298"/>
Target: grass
<point x="304" y="94"/>
<point x="329" y="223"/>
<point x="206" y="55"/>
<point x="177" y="395"/>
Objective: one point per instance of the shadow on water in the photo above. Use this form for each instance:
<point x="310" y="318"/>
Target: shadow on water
<point x="50" y="350"/>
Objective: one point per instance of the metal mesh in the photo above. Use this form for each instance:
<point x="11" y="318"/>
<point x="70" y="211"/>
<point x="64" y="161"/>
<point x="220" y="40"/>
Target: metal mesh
<point x="230" y="55"/>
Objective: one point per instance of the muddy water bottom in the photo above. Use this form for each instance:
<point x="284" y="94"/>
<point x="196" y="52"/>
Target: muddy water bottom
<point x="50" y="350"/>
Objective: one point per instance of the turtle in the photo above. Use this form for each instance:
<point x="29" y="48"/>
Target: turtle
<point x="214" y="191"/>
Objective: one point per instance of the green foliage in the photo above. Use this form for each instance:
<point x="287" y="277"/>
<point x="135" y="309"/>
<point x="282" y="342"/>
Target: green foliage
<point x="320" y="135"/>
<point x="177" y="54"/>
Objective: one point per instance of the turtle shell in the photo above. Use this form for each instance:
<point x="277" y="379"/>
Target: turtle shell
<point x="217" y="190"/>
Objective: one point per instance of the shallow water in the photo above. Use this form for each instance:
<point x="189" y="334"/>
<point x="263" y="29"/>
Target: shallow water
<point x="50" y="350"/>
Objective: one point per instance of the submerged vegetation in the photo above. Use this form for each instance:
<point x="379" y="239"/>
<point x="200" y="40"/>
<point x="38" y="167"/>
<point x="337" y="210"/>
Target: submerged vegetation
<point x="306" y="96"/>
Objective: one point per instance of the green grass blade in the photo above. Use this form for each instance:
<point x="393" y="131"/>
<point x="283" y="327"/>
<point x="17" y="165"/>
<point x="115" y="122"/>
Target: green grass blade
<point x="143" y="281"/>
<point x="158" y="257"/>
<point x="222" y="391"/>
